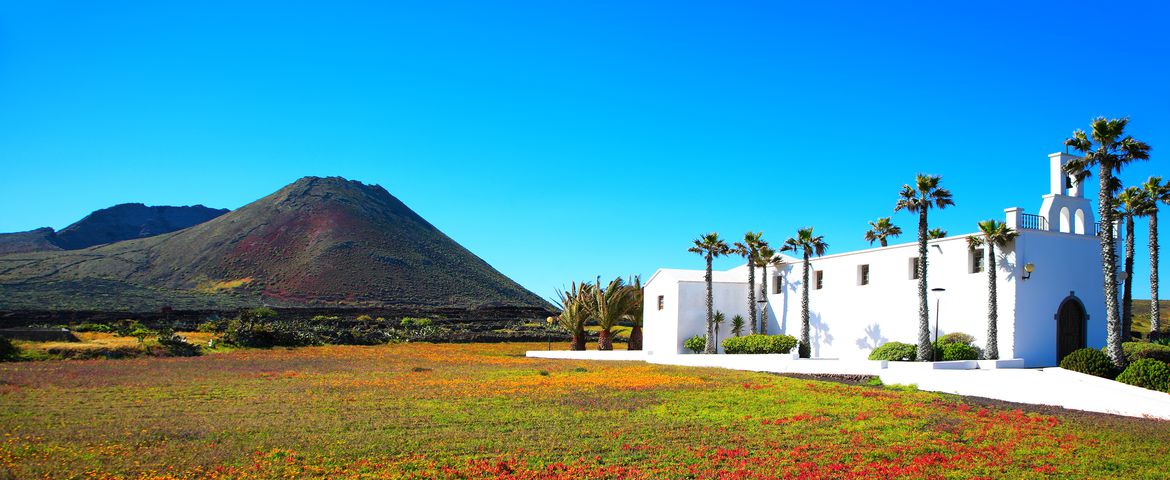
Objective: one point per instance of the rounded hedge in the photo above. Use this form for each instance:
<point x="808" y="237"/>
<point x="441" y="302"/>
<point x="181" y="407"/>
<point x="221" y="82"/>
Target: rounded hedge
<point x="956" y="351"/>
<point x="1135" y="351"/>
<point x="696" y="344"/>
<point x="1090" y="361"/>
<point x="8" y="350"/>
<point x="895" y="352"/>
<point x="757" y="344"/>
<point x="957" y="337"/>
<point x="1147" y="373"/>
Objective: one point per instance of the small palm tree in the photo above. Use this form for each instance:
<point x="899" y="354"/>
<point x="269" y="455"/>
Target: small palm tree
<point x="574" y="306"/>
<point x="748" y="248"/>
<point x="719" y="319"/>
<point x="635" y="315"/>
<point x="611" y="305"/>
<point x="992" y="233"/>
<point x="710" y="246"/>
<point x="1157" y="192"/>
<point x="737" y="324"/>
<point x="1109" y="149"/>
<point x="766" y="256"/>
<point x="807" y="245"/>
<point x="936" y="233"/>
<point x="880" y="230"/>
<point x="919" y="198"/>
<point x="1131" y="202"/>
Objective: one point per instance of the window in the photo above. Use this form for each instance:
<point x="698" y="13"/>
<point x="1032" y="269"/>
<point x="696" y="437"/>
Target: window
<point x="778" y="284"/>
<point x="914" y="264"/>
<point x="977" y="260"/>
<point x="820" y="274"/>
<point x="863" y="274"/>
<point x="661" y="302"/>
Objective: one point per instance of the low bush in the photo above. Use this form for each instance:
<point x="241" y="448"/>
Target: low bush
<point x="696" y="344"/>
<point x="411" y="322"/>
<point x="1135" y="351"/>
<point x="209" y="327"/>
<point x="957" y="337"/>
<point x="1090" y="361"/>
<point x="8" y="350"/>
<point x="127" y="327"/>
<point x="92" y="327"/>
<point x="895" y="352"/>
<point x="1147" y="373"/>
<point x="955" y="351"/>
<point x="177" y="346"/>
<point x="756" y="344"/>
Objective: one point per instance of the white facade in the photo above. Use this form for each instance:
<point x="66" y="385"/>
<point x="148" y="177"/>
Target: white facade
<point x="1060" y="301"/>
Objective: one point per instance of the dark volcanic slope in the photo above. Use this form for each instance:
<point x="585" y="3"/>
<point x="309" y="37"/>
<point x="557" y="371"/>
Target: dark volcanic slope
<point x="318" y="241"/>
<point x="109" y="225"/>
<point x="131" y="220"/>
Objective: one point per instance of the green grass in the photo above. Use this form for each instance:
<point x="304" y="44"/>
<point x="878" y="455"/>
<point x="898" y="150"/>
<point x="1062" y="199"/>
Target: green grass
<point x="484" y="411"/>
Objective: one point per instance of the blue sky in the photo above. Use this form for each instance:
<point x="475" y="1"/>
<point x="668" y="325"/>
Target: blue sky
<point x="564" y="140"/>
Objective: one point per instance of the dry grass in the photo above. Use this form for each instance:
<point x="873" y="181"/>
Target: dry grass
<point x="485" y="411"/>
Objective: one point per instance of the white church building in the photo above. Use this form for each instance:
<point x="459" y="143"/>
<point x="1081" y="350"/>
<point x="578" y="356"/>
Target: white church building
<point x="1050" y="290"/>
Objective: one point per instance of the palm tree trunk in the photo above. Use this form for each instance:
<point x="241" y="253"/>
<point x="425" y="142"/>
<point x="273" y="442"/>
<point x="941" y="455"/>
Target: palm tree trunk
<point x="764" y="307"/>
<point x="1109" y="268"/>
<point x="752" y="292"/>
<point x="882" y="241"/>
<point x="710" y="347"/>
<point x="578" y="338"/>
<point x="804" y="350"/>
<point x="605" y="340"/>
<point x="992" y="352"/>
<point x="1155" y="311"/>
<point x="635" y="342"/>
<point x="1127" y="287"/>
<point x="925" y="349"/>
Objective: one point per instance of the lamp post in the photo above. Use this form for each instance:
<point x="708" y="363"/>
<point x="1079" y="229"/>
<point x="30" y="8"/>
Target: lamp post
<point x="548" y="331"/>
<point x="937" y="304"/>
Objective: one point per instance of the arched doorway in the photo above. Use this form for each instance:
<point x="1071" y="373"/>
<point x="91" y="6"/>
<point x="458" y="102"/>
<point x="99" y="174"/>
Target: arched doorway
<point x="1070" y="327"/>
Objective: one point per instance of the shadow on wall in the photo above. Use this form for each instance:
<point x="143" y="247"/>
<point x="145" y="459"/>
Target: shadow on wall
<point x="873" y="338"/>
<point x="818" y="333"/>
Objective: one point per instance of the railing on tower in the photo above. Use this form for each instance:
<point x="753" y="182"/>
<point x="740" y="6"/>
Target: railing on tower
<point x="1033" y="222"/>
<point x="1098" y="231"/>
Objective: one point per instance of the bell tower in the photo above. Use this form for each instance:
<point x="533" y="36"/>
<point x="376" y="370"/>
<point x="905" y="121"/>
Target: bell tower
<point x="1065" y="208"/>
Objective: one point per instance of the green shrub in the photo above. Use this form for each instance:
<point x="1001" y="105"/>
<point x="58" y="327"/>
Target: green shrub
<point x="208" y="327"/>
<point x="364" y="318"/>
<point x="895" y="352"/>
<point x="1135" y="351"/>
<point x="410" y="322"/>
<point x="8" y="350"/>
<point x="955" y="351"/>
<point x="127" y="327"/>
<point x="759" y="344"/>
<point x="1147" y="373"/>
<point x="1089" y="361"/>
<point x="696" y="344"/>
<point x="175" y="345"/>
<point x="92" y="327"/>
<point x="957" y="337"/>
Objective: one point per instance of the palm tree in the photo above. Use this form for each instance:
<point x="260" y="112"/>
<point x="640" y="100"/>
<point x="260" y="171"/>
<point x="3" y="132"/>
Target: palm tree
<point x="610" y="305"/>
<point x="992" y="233"/>
<point x="710" y="246"/>
<point x="574" y="305"/>
<point x="737" y="324"/>
<point x="919" y="198"/>
<point x="1109" y="149"/>
<point x="1157" y="192"/>
<point x="1131" y="202"/>
<point x="936" y="233"/>
<point x="635" y="314"/>
<point x="752" y="241"/>
<point x="764" y="257"/>
<point x="880" y="229"/>
<point x="718" y="320"/>
<point x="808" y="245"/>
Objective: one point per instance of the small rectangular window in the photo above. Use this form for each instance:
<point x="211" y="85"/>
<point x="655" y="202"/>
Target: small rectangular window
<point x="863" y="274"/>
<point x="977" y="257"/>
<point x="820" y="275"/>
<point x="778" y="284"/>
<point x="914" y="265"/>
<point x="661" y="302"/>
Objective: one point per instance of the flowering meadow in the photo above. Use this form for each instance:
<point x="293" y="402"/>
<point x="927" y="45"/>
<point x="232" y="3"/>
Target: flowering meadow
<point x="485" y="411"/>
